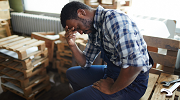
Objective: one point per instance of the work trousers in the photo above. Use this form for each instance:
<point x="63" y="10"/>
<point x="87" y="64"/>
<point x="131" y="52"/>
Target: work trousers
<point x="82" y="80"/>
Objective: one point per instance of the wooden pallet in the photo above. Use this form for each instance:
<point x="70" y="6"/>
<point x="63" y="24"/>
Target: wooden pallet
<point x="32" y="92"/>
<point x="32" y="81"/>
<point x="26" y="82"/>
<point x="20" y="75"/>
<point x="19" y="45"/>
<point x="25" y="64"/>
<point x="11" y="70"/>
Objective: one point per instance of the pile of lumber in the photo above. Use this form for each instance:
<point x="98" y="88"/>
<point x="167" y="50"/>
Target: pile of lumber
<point x="23" y="63"/>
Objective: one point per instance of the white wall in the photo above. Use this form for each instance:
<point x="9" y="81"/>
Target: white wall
<point x="168" y="9"/>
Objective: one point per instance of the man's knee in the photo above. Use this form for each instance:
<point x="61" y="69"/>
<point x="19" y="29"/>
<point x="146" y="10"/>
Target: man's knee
<point x="71" y="71"/>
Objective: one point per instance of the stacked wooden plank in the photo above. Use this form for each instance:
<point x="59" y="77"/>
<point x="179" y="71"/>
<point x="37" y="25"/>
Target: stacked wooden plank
<point x="23" y="63"/>
<point x="64" y="55"/>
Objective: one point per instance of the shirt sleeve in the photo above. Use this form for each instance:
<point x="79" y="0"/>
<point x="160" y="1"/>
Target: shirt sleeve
<point x="129" y="45"/>
<point x="91" y="52"/>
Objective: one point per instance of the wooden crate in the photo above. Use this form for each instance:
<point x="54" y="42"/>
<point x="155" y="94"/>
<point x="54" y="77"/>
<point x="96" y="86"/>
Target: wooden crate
<point x="20" y="45"/>
<point x="25" y="64"/>
<point x="26" y="82"/>
<point x="30" y="92"/>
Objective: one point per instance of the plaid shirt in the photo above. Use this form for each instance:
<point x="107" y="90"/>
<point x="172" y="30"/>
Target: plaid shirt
<point x="121" y="40"/>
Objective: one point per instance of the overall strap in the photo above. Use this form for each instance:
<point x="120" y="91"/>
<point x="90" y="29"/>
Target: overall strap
<point x="150" y="59"/>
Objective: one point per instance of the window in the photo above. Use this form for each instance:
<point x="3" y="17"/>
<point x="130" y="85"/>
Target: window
<point x="49" y="6"/>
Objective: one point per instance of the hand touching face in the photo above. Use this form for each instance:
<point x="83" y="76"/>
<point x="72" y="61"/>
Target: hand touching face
<point x="70" y="36"/>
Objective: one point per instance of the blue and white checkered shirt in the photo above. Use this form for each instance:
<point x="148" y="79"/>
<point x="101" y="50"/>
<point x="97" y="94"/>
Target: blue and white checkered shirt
<point x="121" y="40"/>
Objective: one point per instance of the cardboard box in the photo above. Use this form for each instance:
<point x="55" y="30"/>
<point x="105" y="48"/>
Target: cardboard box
<point x="4" y="4"/>
<point x="5" y="14"/>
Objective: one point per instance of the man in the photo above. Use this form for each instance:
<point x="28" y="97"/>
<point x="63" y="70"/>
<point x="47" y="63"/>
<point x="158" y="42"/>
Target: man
<point x="122" y="47"/>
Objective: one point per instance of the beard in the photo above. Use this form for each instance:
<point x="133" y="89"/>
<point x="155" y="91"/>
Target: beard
<point x="88" y="25"/>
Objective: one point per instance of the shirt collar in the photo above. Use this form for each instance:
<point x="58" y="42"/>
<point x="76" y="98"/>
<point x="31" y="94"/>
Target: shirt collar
<point x="94" y="38"/>
<point x="97" y="17"/>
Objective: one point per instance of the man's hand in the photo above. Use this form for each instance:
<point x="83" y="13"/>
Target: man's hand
<point x="70" y="36"/>
<point x="104" y="85"/>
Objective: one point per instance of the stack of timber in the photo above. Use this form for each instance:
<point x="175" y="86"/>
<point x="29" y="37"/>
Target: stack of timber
<point x="23" y="63"/>
<point x="64" y="55"/>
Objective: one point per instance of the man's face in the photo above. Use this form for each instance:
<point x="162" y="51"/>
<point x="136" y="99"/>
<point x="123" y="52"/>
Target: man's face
<point x="81" y="25"/>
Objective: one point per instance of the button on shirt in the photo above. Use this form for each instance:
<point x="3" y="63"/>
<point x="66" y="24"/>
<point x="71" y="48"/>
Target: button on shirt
<point x="121" y="40"/>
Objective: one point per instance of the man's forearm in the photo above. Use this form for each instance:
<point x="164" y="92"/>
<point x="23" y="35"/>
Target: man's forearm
<point x="78" y="55"/>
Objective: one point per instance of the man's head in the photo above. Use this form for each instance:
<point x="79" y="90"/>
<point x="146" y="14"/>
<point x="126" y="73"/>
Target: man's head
<point x="78" y="15"/>
<point x="69" y="11"/>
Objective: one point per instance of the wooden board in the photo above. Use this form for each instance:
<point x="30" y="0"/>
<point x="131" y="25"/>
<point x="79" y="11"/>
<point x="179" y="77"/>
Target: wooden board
<point x="163" y="59"/>
<point x="165" y="43"/>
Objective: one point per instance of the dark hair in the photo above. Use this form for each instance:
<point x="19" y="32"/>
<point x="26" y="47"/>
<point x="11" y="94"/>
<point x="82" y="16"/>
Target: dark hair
<point x="69" y="11"/>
